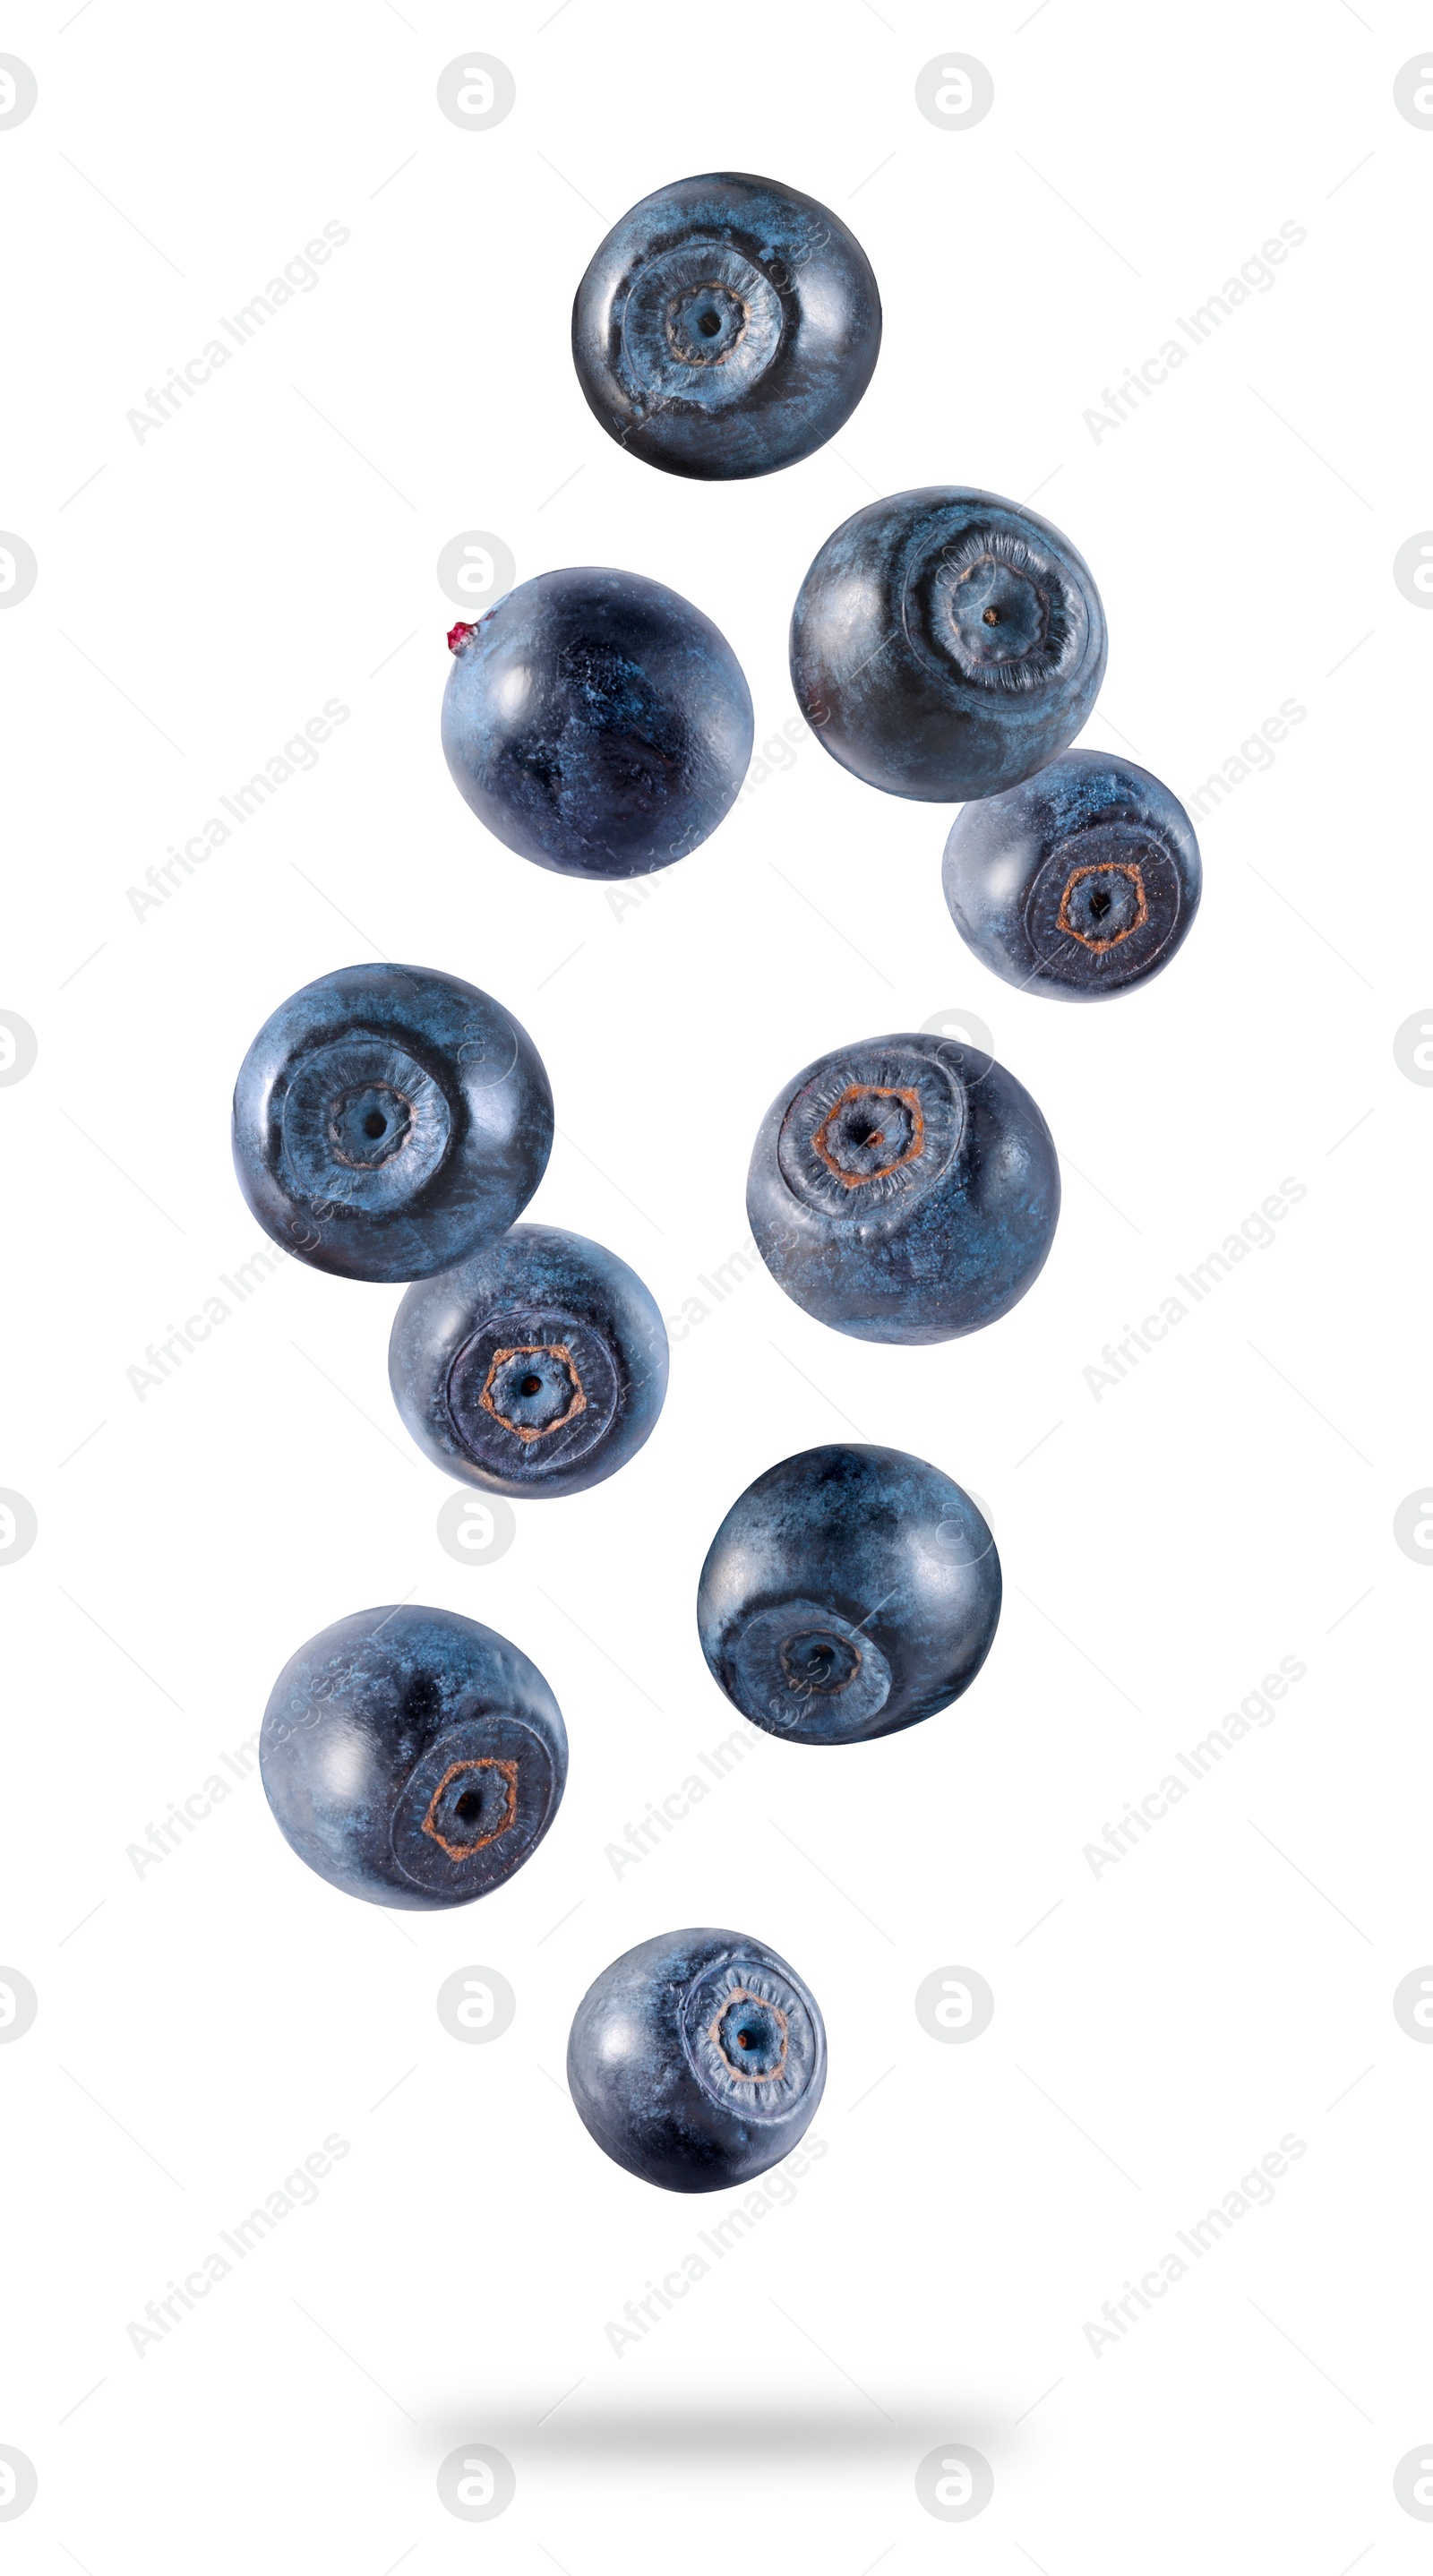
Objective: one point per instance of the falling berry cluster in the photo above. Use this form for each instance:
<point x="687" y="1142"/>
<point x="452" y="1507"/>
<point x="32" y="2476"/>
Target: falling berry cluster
<point x="392" y="1122"/>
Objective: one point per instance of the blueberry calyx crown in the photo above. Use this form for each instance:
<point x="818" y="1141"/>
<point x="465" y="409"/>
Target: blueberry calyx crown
<point x="870" y="1132"/>
<point x="485" y="1806"/>
<point x="705" y="324"/>
<point x="757" y="2030"/>
<point x="480" y="1795"/>
<point x="533" y="1388"/>
<point x="1008" y="620"/>
<point x="799" y="1669"/>
<point x="1102" y="904"/>
<point x="532" y="1392"/>
<point x="994" y="606"/>
<point x="458" y="635"/>
<point x="700" y="324"/>
<point x="869" y="1129"/>
<point x="1108" y="902"/>
<point x="749" y="2038"/>
<point x="362" y="1125"/>
<point x="816" y="1660"/>
<point x="368" y="1123"/>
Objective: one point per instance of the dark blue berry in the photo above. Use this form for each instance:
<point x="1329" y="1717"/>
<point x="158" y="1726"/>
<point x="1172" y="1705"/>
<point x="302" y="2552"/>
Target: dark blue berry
<point x="848" y="1593"/>
<point x="387" y="1120"/>
<point x="537" y="1367"/>
<point x="597" y="723"/>
<point x="946" y="643"/>
<point x="904" y="1190"/>
<point x="697" y="2060"/>
<point x="1080" y="883"/>
<point x="725" y="327"/>
<point x="412" y="1757"/>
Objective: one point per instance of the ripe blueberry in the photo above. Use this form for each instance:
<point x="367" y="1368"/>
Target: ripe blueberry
<point x="537" y="1367"/>
<point x="697" y="2060"/>
<point x="849" y="1592"/>
<point x="904" y="1190"/>
<point x="1080" y="883"/>
<point x="725" y="327"/>
<point x="387" y="1120"/>
<point x="412" y="1757"/>
<point x="946" y="643"/>
<point x="597" y="723"/>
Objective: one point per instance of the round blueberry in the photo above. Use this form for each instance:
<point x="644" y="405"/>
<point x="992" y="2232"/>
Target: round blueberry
<point x="945" y="643"/>
<point x="537" y="1367"/>
<point x="849" y="1592"/>
<point x="1083" y="881"/>
<point x="904" y="1190"/>
<point x="597" y="723"/>
<point x="697" y="2060"/>
<point x="727" y="326"/>
<point x="387" y="1120"/>
<point x="412" y="1757"/>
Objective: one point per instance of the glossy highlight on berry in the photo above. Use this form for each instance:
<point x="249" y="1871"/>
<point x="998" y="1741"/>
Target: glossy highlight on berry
<point x="697" y="2060"/>
<point x="726" y="327"/>
<point x="945" y="643"/>
<point x="538" y="1367"/>
<point x="412" y="1757"/>
<point x="851" y="1591"/>
<point x="1081" y="883"/>
<point x="387" y="1120"/>
<point x="596" y="722"/>
<point x="905" y="1189"/>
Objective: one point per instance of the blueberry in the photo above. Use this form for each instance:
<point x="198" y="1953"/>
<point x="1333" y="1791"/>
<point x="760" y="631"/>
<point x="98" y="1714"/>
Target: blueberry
<point x="697" y="2060"/>
<point x="537" y="1367"/>
<point x="727" y="326"/>
<point x="849" y="1592"/>
<point x="597" y="723"/>
<point x="945" y="643"/>
<point x="904" y="1190"/>
<point x="388" y="1120"/>
<point x="1080" y="883"/>
<point x="412" y="1757"/>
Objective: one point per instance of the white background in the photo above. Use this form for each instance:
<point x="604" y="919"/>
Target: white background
<point x="1158" y="2028"/>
